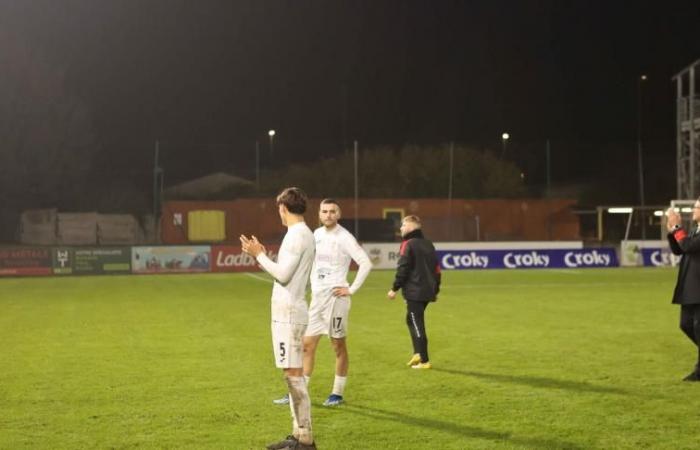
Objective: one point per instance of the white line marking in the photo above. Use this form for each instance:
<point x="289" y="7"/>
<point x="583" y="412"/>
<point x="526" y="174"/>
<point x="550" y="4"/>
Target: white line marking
<point x="566" y="271"/>
<point x="258" y="277"/>
<point x="522" y="285"/>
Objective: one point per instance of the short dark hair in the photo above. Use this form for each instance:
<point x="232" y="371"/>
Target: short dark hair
<point x="330" y="201"/>
<point x="294" y="199"/>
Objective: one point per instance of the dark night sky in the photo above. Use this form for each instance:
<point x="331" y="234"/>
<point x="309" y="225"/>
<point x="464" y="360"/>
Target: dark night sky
<point x="215" y="75"/>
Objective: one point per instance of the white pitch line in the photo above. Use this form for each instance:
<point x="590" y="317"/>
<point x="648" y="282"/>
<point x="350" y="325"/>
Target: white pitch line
<point x="518" y="285"/>
<point x="258" y="277"/>
<point x="566" y="271"/>
<point x="531" y="285"/>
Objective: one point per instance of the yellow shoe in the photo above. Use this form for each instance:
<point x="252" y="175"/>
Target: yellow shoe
<point x="422" y="366"/>
<point x="415" y="359"/>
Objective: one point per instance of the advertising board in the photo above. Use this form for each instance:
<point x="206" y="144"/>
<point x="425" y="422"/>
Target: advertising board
<point x="170" y="259"/>
<point x="25" y="261"/>
<point x="230" y="258"/>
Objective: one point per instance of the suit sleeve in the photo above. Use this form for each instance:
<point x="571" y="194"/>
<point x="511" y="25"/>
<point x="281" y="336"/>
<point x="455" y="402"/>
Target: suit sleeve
<point x="685" y="242"/>
<point x="675" y="248"/>
<point x="438" y="278"/>
<point x="405" y="264"/>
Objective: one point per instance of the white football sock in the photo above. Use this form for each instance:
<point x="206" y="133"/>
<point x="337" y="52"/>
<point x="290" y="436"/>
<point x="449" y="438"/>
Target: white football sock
<point x="300" y="405"/>
<point x="339" y="385"/>
<point x="295" y="424"/>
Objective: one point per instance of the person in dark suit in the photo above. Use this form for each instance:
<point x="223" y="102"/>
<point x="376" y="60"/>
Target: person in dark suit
<point x="418" y="277"/>
<point x="687" y="290"/>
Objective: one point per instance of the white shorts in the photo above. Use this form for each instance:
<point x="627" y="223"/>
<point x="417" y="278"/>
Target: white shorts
<point x="287" y="344"/>
<point x="328" y="314"/>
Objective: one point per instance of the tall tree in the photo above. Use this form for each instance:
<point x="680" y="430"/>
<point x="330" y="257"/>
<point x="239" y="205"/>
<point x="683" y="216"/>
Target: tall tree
<point x="410" y="171"/>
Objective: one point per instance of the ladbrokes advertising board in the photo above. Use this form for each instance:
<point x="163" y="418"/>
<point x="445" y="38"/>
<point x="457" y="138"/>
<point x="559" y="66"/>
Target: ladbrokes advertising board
<point x="230" y="258"/>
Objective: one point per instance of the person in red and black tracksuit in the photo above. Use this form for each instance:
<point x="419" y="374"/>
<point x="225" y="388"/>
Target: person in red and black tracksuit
<point x="687" y="291"/>
<point x="418" y="277"/>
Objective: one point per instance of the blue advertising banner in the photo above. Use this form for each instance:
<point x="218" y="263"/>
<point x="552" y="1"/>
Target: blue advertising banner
<point x="175" y="259"/>
<point x="527" y="259"/>
<point x="659" y="257"/>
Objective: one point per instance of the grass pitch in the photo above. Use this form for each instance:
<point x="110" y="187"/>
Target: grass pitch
<point x="540" y="359"/>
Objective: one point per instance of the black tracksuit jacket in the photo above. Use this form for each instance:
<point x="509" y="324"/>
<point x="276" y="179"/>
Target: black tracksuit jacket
<point x="418" y="272"/>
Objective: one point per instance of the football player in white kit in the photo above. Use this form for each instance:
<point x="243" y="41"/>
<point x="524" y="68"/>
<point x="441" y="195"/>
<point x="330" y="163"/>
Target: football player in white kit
<point x="289" y="311"/>
<point x="330" y="300"/>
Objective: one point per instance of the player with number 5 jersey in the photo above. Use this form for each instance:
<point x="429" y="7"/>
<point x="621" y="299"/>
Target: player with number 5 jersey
<point x="289" y="311"/>
<point x="331" y="294"/>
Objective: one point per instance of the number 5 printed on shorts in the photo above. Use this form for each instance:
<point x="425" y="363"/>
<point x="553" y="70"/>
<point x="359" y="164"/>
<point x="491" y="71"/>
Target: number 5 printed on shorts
<point x="283" y="352"/>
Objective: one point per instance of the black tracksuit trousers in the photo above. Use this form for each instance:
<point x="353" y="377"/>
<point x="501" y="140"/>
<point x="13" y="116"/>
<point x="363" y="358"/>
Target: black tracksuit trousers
<point x="415" y="319"/>
<point x="690" y="324"/>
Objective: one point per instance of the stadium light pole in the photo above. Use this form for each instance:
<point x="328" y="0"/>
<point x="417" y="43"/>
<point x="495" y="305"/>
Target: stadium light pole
<point x="155" y="180"/>
<point x="504" y="139"/>
<point x="449" y="189"/>
<point x="271" y="133"/>
<point x="548" y="161"/>
<point x="356" y="158"/>
<point x="640" y="164"/>
<point x="158" y="175"/>
<point x="257" y="166"/>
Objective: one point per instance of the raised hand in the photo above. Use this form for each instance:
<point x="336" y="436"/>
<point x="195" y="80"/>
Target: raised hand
<point x="251" y="246"/>
<point x="672" y="219"/>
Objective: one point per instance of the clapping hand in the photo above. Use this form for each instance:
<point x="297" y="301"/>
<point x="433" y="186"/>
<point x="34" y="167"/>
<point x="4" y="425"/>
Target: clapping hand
<point x="252" y="246"/>
<point x="672" y="219"/>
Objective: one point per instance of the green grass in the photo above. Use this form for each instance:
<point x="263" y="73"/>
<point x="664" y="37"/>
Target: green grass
<point x="579" y="359"/>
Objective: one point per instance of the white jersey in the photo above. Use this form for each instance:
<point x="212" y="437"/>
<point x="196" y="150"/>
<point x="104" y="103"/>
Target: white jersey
<point x="291" y="273"/>
<point x="334" y="251"/>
